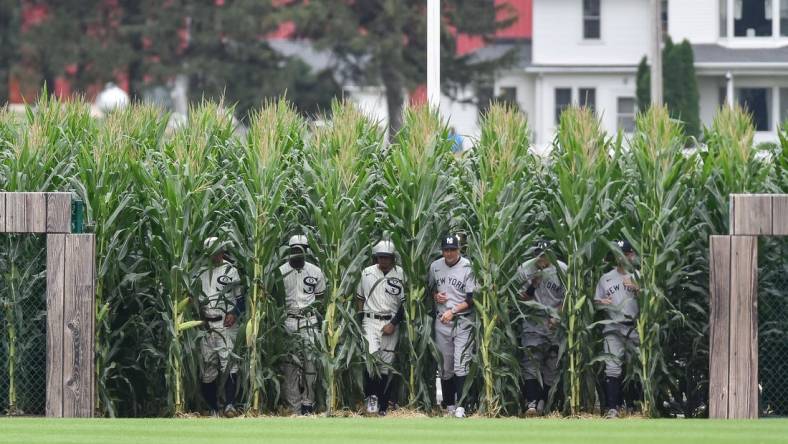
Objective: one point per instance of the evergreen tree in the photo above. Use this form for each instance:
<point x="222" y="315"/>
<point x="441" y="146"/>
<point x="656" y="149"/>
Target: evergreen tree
<point x="9" y="43"/>
<point x="680" y="85"/>
<point x="383" y="42"/>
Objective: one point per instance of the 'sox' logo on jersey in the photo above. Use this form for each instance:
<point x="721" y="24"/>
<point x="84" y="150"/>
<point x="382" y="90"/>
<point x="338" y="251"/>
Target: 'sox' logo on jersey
<point x="393" y="287"/>
<point x="310" y="284"/>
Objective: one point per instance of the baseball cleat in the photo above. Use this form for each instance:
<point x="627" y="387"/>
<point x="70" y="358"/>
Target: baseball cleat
<point x="459" y="412"/>
<point x="531" y="412"/>
<point x="230" y="411"/>
<point x="612" y="414"/>
<point x="540" y="407"/>
<point x="372" y="404"/>
<point x="450" y="410"/>
<point x="213" y="413"/>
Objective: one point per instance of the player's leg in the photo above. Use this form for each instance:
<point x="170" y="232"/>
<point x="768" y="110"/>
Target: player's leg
<point x="614" y="347"/>
<point x="373" y="337"/>
<point x="445" y="345"/>
<point x="291" y="368"/>
<point x="462" y="359"/>
<point x="229" y="366"/>
<point x="209" y="372"/>
<point x="307" y="332"/>
<point x="388" y="346"/>
<point x="549" y="374"/>
<point x="531" y="363"/>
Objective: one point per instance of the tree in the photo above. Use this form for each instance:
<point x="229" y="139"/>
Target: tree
<point x="643" y="88"/>
<point x="75" y="38"/>
<point x="9" y="41"/>
<point x="680" y="85"/>
<point x="383" y="42"/>
<point x="220" y="46"/>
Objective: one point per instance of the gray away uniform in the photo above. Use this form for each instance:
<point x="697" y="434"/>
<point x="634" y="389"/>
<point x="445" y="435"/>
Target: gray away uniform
<point x="300" y="287"/>
<point x="221" y="287"/>
<point x="621" y="333"/>
<point x="452" y="339"/>
<point x="383" y="295"/>
<point x="540" y="360"/>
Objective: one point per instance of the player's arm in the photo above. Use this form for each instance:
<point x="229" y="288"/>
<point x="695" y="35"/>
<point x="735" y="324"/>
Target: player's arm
<point x="320" y="290"/>
<point x="600" y="299"/>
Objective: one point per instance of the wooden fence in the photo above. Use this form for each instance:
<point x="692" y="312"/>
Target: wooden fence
<point x="70" y="297"/>
<point x="733" y="360"/>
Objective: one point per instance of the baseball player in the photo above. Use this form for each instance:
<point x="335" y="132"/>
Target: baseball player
<point x="540" y="283"/>
<point x="616" y="294"/>
<point x="302" y="283"/>
<point x="452" y="284"/>
<point x="381" y="294"/>
<point x="221" y="303"/>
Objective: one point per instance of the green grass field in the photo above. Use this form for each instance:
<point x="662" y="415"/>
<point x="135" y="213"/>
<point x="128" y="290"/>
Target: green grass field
<point x="389" y="430"/>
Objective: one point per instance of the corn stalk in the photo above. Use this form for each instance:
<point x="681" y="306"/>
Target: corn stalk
<point x="581" y="210"/>
<point x="500" y="200"/>
<point x="660" y="203"/>
<point x="340" y="182"/>
<point x="264" y="188"/>
<point x="416" y="210"/>
<point x="182" y="199"/>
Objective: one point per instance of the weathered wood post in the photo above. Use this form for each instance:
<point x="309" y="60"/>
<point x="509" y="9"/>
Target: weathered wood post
<point x="71" y="270"/>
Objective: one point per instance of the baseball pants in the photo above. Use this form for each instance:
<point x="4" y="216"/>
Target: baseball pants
<point x="540" y="360"/>
<point x="216" y="349"/>
<point x="453" y="341"/>
<point x="380" y="345"/>
<point x="299" y="371"/>
<point x="619" y="339"/>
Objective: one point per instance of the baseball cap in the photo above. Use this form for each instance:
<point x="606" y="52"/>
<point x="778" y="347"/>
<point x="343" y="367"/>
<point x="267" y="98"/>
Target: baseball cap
<point x="625" y="246"/>
<point x="298" y="240"/>
<point x="541" y="246"/>
<point x="450" y="242"/>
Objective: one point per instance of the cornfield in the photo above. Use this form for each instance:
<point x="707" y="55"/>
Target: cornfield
<point x="153" y="192"/>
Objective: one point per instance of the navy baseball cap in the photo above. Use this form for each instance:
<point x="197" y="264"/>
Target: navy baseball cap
<point x="450" y="242"/>
<point x="541" y="246"/>
<point x="625" y="246"/>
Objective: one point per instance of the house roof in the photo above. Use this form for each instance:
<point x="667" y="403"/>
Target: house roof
<point x="522" y="56"/>
<point x="717" y="54"/>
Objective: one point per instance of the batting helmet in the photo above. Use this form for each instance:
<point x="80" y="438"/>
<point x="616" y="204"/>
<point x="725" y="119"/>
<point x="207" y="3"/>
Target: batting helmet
<point x="384" y="248"/>
<point x="299" y="240"/>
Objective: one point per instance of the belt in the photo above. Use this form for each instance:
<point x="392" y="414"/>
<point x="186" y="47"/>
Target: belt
<point x="628" y="323"/>
<point x="213" y="318"/>
<point x="463" y="314"/>
<point x="377" y="316"/>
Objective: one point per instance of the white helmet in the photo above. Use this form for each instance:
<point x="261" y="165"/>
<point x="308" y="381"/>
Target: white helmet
<point x="209" y="242"/>
<point x="298" y="240"/>
<point x="384" y="248"/>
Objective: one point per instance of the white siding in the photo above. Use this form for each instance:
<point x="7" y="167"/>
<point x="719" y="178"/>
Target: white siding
<point x="558" y="33"/>
<point x="694" y="20"/>
<point x="609" y="87"/>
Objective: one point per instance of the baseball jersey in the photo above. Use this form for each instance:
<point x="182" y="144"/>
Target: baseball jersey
<point x="302" y="285"/>
<point x="624" y="307"/>
<point x="455" y="281"/>
<point x="221" y="286"/>
<point x="550" y="292"/>
<point x="382" y="293"/>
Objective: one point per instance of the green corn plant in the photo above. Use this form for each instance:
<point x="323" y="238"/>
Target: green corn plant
<point x="339" y="180"/>
<point x="416" y="210"/>
<point x="500" y="202"/>
<point x="182" y="199"/>
<point x="581" y="207"/>
<point x="104" y="181"/>
<point x="659" y="206"/>
<point x="265" y="169"/>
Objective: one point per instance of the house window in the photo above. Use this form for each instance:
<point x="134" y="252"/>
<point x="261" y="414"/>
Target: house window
<point x="485" y="94"/>
<point x="758" y="102"/>
<point x="752" y="18"/>
<point x="723" y="18"/>
<point x="587" y="98"/>
<point x="508" y="96"/>
<point x="783" y="106"/>
<point x="626" y="114"/>
<point x="563" y="99"/>
<point x="784" y="18"/>
<point x="591" y="19"/>
<point x="664" y="17"/>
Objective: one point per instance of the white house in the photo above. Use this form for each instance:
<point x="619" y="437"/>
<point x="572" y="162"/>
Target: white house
<point x="586" y="52"/>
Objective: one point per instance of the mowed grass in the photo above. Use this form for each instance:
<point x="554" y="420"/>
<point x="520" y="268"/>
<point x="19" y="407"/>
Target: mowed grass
<point x="388" y="430"/>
